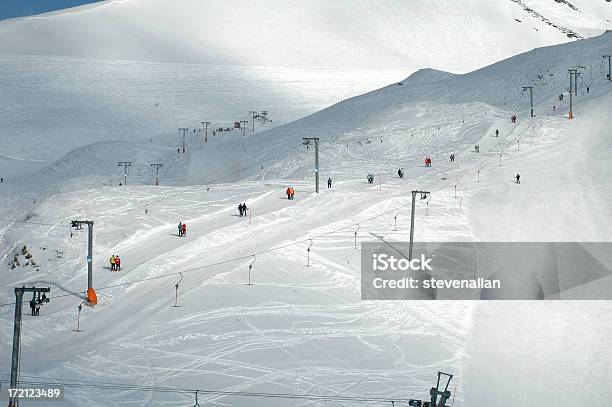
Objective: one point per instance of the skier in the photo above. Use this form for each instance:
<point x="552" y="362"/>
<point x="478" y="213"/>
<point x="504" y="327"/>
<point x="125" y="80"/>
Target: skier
<point x="184" y="229"/>
<point x="180" y="229"/>
<point x="292" y="193"/>
<point x="146" y="211"/>
<point x="329" y="182"/>
<point x="33" y="307"/>
<point x="112" y="262"/>
<point x="240" y="209"/>
<point x="1" y="180"/>
<point x="588" y="89"/>
<point x="117" y="263"/>
<point x="400" y="173"/>
<point x="518" y="178"/>
<point x="37" y="308"/>
<point x="452" y="157"/>
<point x="288" y="192"/>
<point x="244" y="209"/>
<point x="477" y="148"/>
<point x="554" y="108"/>
<point x="496" y="132"/>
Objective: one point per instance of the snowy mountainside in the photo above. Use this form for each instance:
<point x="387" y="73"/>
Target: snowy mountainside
<point x="409" y="107"/>
<point x="75" y="102"/>
<point x="66" y="75"/>
<point x="301" y="327"/>
<point x="339" y="34"/>
<point x="405" y="108"/>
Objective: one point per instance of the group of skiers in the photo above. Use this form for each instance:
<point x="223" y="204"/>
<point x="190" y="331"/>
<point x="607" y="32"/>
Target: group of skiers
<point x="400" y="173"/>
<point x="513" y="118"/>
<point x="452" y="157"/>
<point x="242" y="209"/>
<point x="428" y="161"/>
<point x="35" y="304"/>
<point x="115" y="263"/>
<point x="477" y="148"/>
<point x="290" y="193"/>
<point x="182" y="229"/>
<point x="370" y="178"/>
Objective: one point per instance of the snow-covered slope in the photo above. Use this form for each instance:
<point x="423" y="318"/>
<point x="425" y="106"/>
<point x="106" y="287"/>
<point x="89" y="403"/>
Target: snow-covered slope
<point x="60" y="105"/>
<point x="217" y="60"/>
<point x="303" y="329"/>
<point x="452" y="35"/>
<point x="428" y="104"/>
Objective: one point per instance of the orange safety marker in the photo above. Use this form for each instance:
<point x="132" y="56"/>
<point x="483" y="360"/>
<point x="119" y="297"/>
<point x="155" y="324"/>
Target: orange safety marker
<point x="92" y="298"/>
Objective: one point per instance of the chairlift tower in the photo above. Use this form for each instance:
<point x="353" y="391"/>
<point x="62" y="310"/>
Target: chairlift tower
<point x="92" y="298"/>
<point x="443" y="394"/>
<point x="157" y="167"/>
<point x="184" y="130"/>
<point x="435" y="392"/>
<point x="205" y="125"/>
<point x="243" y="125"/>
<point x="125" y="164"/>
<point x="609" y="66"/>
<point x="530" y="88"/>
<point x="16" y="357"/>
<point x="306" y="142"/>
<point x="414" y="194"/>
<point x="576" y="75"/>
<point x="254" y="115"/>
<point x="572" y="72"/>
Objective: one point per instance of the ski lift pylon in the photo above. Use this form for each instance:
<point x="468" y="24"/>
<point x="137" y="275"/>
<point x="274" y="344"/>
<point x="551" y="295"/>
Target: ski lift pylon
<point x="176" y="287"/>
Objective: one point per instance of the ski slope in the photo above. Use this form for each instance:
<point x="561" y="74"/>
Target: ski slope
<point x="301" y="327"/>
<point x="119" y="71"/>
